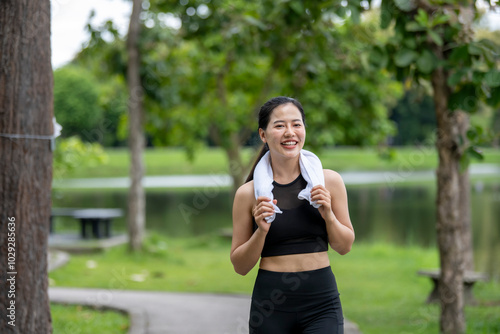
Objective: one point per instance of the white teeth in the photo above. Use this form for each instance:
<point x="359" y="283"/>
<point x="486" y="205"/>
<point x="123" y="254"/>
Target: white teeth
<point x="290" y="143"/>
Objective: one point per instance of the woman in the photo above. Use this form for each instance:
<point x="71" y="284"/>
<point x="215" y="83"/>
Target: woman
<point x="295" y="290"/>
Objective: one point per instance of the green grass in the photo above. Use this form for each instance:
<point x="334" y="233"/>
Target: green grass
<point x="380" y="289"/>
<point x="162" y="161"/>
<point x="174" y="161"/>
<point x="75" y="319"/>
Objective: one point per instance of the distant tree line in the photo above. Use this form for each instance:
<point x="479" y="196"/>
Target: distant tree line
<point x="96" y="112"/>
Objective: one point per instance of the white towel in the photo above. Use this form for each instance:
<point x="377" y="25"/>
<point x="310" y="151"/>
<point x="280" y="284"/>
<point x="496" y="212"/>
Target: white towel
<point x="312" y="171"/>
<point x="310" y="168"/>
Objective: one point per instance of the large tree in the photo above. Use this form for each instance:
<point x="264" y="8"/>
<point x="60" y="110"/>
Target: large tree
<point x="433" y="42"/>
<point x="26" y="111"/>
<point x="137" y="198"/>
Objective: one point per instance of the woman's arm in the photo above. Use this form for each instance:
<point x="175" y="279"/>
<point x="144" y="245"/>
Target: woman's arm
<point x="334" y="210"/>
<point x="246" y="245"/>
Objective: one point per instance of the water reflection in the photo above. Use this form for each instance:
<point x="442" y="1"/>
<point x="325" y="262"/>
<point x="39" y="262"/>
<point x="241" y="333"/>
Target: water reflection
<point x="405" y="215"/>
<point x="402" y="215"/>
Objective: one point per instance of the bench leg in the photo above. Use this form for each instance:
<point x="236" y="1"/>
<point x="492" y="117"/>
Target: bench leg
<point x="95" y="228"/>
<point x="434" y="295"/>
<point x="51" y="226"/>
<point x="107" y="232"/>
<point x="83" y="224"/>
<point x="468" y="295"/>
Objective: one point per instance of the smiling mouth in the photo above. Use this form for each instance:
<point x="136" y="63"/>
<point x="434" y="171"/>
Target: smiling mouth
<point x="289" y="143"/>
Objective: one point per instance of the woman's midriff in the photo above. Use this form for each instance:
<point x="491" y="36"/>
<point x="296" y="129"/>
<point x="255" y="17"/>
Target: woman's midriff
<point x="295" y="262"/>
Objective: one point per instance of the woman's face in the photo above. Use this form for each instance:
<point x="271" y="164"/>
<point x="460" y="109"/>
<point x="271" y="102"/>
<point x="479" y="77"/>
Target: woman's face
<point x="285" y="134"/>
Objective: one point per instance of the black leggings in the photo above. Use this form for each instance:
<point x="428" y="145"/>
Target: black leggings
<point x="296" y="303"/>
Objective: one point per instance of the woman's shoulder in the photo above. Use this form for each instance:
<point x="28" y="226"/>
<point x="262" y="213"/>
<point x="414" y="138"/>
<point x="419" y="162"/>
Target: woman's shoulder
<point x="332" y="177"/>
<point x="245" y="191"/>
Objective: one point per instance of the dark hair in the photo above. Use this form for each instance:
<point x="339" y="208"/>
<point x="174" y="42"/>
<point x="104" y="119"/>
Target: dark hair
<point x="265" y="114"/>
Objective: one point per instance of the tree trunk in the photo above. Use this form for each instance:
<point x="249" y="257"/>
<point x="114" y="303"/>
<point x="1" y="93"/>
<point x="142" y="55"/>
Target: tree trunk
<point x="464" y="192"/>
<point x="465" y="216"/>
<point x="449" y="226"/>
<point x="236" y="168"/>
<point x="136" y="200"/>
<point x="26" y="109"/>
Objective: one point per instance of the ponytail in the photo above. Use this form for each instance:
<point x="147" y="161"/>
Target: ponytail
<point x="263" y="151"/>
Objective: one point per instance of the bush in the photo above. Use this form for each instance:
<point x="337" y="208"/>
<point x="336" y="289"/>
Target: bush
<point x="76" y="102"/>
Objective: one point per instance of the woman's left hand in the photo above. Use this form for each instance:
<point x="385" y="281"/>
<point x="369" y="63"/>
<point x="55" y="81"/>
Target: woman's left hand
<point x="321" y="195"/>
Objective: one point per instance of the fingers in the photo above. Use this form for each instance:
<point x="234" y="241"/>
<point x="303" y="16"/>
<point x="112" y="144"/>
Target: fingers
<point x="263" y="208"/>
<point x="319" y="190"/>
<point x="319" y="187"/>
<point x="321" y="195"/>
<point x="265" y="201"/>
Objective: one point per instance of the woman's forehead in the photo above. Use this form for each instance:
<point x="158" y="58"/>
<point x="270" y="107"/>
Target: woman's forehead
<point x="286" y="112"/>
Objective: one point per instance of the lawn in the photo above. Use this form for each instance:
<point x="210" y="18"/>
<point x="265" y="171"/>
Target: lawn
<point x="174" y="161"/>
<point x="380" y="290"/>
<point x="75" y="319"/>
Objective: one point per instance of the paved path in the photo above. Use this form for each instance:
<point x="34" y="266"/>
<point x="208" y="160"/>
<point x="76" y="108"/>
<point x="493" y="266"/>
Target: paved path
<point x="169" y="312"/>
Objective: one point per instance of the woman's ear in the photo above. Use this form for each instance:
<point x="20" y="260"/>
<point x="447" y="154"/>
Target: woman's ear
<point x="262" y="135"/>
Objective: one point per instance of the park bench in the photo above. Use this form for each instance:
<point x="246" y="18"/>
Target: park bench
<point x="59" y="212"/>
<point x="98" y="219"/>
<point x="470" y="278"/>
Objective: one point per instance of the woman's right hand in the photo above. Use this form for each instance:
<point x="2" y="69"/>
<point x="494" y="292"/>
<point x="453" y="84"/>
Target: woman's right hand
<point x="263" y="208"/>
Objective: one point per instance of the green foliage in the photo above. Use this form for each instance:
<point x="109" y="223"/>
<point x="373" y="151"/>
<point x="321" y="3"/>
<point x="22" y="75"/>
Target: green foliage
<point x="112" y="129"/>
<point x="104" y="51"/>
<point x="247" y="52"/>
<point x="205" y="80"/>
<point x="415" y="118"/>
<point x="104" y="58"/>
<point x="430" y="36"/>
<point x="472" y="65"/>
<point x="71" y="154"/>
<point x="76" y="104"/>
<point x="480" y="135"/>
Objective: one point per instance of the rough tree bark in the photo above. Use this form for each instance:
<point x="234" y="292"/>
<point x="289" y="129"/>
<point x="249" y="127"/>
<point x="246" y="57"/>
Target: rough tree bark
<point x="465" y="204"/>
<point x="449" y="225"/>
<point x="467" y="14"/>
<point x="26" y="108"/>
<point x="136" y="200"/>
<point x="454" y="232"/>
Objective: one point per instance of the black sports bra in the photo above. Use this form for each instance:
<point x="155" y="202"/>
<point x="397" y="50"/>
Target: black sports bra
<point x="299" y="229"/>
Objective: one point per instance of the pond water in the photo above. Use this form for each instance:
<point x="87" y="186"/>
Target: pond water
<point x="403" y="215"/>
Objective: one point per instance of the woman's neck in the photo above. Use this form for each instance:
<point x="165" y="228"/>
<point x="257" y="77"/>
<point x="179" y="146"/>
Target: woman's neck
<point x="285" y="170"/>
